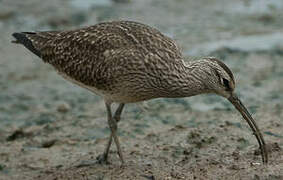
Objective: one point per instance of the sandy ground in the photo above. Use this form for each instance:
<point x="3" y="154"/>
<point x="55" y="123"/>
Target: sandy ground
<point x="48" y="126"/>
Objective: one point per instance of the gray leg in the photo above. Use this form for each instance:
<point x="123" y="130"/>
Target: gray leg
<point x="117" y="117"/>
<point x="112" y="121"/>
<point x="103" y="157"/>
<point x="118" y="112"/>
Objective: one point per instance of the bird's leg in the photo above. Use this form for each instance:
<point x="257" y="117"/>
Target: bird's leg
<point x="113" y="127"/>
<point x="103" y="157"/>
<point x="118" y="112"/>
<point x="117" y="117"/>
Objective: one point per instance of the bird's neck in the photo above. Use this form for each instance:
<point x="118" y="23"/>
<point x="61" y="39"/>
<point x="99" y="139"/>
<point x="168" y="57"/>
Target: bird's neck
<point x="190" y="81"/>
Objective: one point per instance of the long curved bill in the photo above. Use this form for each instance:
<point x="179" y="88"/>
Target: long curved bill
<point x="246" y="115"/>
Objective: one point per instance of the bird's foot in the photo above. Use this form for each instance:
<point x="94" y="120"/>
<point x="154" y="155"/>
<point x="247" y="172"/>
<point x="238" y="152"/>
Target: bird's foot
<point x="102" y="159"/>
<point x="87" y="163"/>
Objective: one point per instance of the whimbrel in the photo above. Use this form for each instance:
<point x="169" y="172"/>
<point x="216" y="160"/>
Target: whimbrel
<point x="127" y="62"/>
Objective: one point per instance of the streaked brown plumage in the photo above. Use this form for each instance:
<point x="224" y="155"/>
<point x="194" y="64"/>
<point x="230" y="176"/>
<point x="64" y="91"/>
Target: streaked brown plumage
<point x="125" y="62"/>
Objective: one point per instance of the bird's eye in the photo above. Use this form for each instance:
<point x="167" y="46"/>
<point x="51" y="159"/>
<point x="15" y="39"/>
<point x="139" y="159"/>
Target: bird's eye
<point x="226" y="84"/>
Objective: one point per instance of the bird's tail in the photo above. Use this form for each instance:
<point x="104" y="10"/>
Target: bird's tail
<point x="24" y="39"/>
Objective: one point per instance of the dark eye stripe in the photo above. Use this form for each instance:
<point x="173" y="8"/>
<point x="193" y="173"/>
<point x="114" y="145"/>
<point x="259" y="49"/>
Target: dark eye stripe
<point x="221" y="64"/>
<point x="218" y="75"/>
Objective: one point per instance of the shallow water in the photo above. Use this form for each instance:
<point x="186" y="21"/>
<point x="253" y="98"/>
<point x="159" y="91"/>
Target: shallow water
<point x="88" y="4"/>
<point x="266" y="42"/>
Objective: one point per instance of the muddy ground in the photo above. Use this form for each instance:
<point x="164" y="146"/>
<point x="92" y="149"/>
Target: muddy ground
<point x="48" y="126"/>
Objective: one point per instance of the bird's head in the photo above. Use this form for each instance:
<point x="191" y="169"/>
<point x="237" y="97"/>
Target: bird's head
<point x="219" y="79"/>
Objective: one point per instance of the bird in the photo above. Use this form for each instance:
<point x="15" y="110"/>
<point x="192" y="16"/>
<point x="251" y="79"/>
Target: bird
<point x="128" y="62"/>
